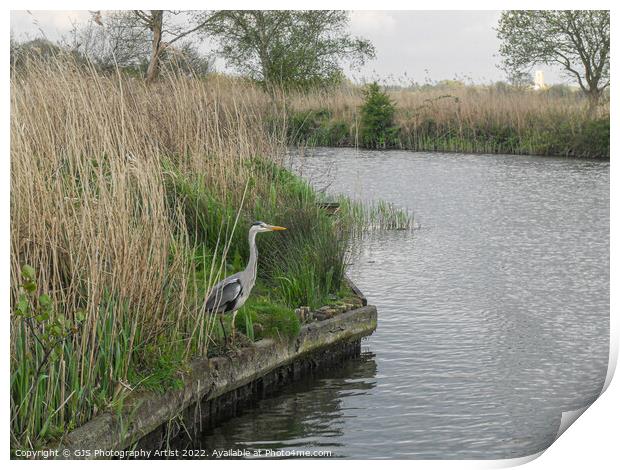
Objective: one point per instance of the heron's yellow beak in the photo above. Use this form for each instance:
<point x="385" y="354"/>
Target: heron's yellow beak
<point x="276" y="227"/>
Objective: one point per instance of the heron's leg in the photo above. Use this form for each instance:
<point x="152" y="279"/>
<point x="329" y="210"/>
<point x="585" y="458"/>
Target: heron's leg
<point x="232" y="327"/>
<point x="221" y="315"/>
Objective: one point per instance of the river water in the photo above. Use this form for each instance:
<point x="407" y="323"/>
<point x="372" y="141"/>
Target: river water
<point x="493" y="314"/>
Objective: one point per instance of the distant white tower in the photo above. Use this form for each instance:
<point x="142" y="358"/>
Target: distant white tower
<point x="539" y="80"/>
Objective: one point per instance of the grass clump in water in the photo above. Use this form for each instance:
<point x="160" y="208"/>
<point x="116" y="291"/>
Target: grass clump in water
<point x="377" y="215"/>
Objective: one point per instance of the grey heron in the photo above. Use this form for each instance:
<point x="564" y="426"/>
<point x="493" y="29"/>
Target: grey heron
<point x="230" y="294"/>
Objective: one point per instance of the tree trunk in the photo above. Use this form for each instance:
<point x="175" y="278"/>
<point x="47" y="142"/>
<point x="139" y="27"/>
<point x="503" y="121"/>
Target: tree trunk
<point x="156" y="27"/>
<point x="594" y="97"/>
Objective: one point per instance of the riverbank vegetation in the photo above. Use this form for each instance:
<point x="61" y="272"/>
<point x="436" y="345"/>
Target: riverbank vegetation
<point x="128" y="201"/>
<point x="454" y="117"/>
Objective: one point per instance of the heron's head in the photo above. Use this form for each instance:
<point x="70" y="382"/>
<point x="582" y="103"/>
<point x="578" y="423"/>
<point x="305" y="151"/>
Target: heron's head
<point x="263" y="227"/>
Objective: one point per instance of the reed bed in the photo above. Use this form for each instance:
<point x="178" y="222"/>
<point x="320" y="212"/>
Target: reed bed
<point x="481" y="119"/>
<point x="127" y="202"/>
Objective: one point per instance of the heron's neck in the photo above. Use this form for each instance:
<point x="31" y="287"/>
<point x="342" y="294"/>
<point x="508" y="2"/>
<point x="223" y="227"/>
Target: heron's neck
<point x="251" y="269"/>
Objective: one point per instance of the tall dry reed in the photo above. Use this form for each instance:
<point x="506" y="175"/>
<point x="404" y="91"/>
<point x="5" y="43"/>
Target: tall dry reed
<point x="90" y="156"/>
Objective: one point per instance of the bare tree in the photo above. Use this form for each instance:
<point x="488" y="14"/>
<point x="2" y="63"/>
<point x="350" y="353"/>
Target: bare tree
<point x="117" y="42"/>
<point x="134" y="35"/>
<point x="165" y="32"/>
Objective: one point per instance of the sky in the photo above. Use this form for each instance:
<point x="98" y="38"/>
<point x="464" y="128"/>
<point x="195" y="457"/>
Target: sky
<point x="410" y="46"/>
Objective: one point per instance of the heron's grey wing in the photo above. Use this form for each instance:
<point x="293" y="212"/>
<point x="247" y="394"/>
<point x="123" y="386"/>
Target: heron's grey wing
<point x="224" y="295"/>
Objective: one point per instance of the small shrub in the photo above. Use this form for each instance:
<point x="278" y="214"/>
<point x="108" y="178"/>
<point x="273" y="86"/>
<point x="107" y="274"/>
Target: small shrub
<point x="377" y="122"/>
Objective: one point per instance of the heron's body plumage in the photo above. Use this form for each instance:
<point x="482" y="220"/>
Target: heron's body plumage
<point x="225" y="295"/>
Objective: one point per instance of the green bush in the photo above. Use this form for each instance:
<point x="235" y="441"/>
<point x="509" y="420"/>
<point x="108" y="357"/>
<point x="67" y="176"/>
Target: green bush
<point x="305" y="264"/>
<point x="317" y="128"/>
<point x="587" y="138"/>
<point x="377" y="121"/>
<point x="593" y="140"/>
<point x="304" y="126"/>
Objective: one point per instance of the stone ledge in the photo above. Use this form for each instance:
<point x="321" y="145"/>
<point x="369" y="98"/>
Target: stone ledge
<point x="209" y="379"/>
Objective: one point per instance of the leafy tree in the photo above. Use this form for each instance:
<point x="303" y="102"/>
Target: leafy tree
<point x="578" y="40"/>
<point x="377" y="122"/>
<point x="301" y="48"/>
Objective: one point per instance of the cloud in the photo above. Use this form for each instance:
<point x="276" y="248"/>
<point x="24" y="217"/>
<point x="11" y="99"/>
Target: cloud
<point x="363" y="22"/>
<point x="52" y="24"/>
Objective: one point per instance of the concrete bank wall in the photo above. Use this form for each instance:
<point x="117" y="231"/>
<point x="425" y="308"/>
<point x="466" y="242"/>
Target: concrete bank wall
<point x="216" y="387"/>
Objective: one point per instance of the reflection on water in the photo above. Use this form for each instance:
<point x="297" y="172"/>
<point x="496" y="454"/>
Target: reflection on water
<point x="311" y="414"/>
<point x="493" y="316"/>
